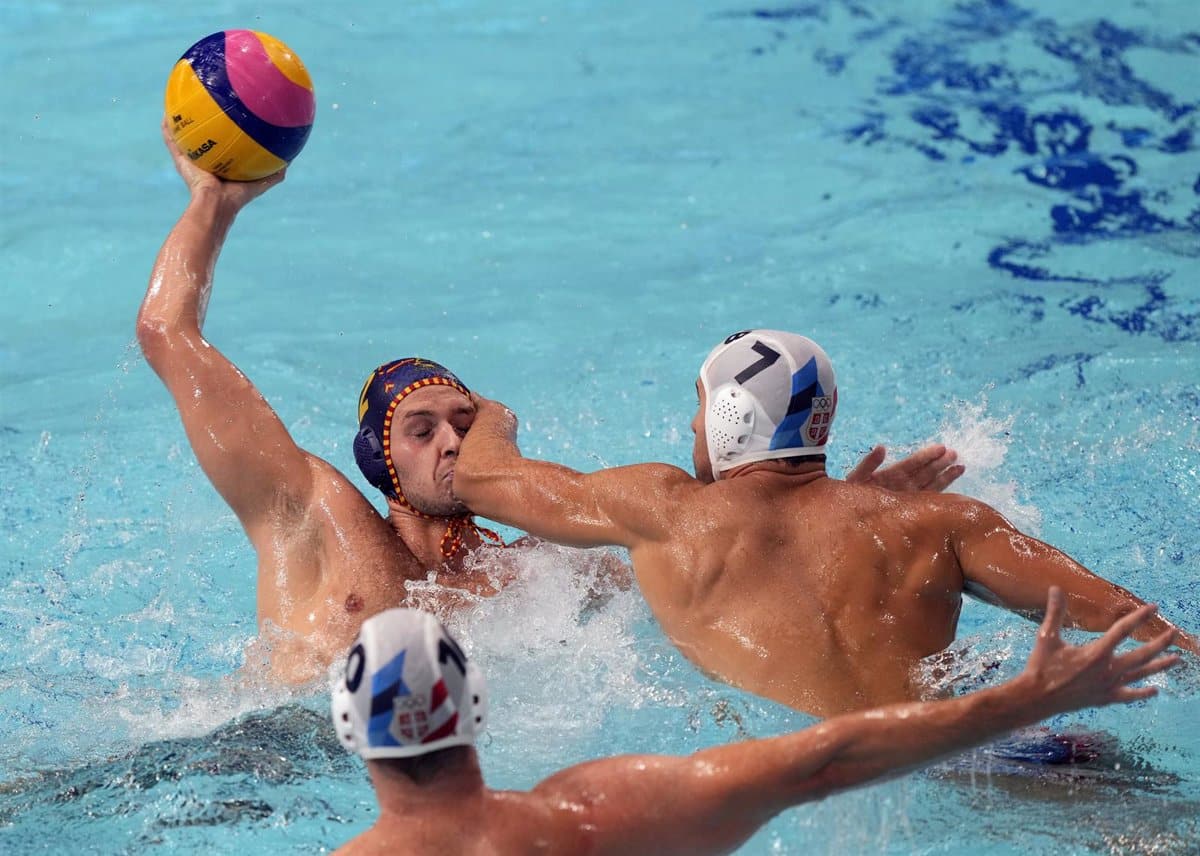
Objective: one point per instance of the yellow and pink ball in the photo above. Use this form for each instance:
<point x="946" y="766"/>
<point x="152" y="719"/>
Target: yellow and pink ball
<point x="240" y="104"/>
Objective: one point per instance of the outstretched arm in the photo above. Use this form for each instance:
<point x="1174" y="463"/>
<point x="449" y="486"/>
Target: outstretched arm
<point x="714" y="800"/>
<point x="240" y="443"/>
<point x="1008" y="568"/>
<point x="623" y="506"/>
<point x="931" y="468"/>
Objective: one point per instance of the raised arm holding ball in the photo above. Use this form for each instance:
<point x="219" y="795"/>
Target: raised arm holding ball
<point x="326" y="558"/>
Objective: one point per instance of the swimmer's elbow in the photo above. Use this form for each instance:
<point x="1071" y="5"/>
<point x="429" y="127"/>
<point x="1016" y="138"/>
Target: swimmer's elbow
<point x="153" y="335"/>
<point x="805" y="766"/>
<point x="163" y="341"/>
<point x="157" y="337"/>
<point x="825" y="770"/>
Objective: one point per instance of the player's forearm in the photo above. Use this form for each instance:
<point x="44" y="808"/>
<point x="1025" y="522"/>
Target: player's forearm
<point x="1185" y="641"/>
<point x="1155" y="626"/>
<point x="519" y="492"/>
<point x="545" y="499"/>
<point x="181" y="279"/>
<point x="853" y="749"/>
<point x="1094" y="604"/>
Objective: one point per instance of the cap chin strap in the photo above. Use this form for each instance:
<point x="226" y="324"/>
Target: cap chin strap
<point x="457" y="526"/>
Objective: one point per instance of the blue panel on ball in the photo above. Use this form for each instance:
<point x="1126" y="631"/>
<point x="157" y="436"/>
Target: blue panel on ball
<point x="207" y="58"/>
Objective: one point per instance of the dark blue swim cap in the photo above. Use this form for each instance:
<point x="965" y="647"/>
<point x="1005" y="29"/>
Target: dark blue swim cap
<point x="384" y="390"/>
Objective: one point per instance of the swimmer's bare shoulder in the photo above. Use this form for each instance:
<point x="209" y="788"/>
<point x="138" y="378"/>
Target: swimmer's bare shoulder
<point x="501" y="823"/>
<point x="944" y="510"/>
<point x="327" y="558"/>
<point x="330" y="534"/>
<point x="337" y="501"/>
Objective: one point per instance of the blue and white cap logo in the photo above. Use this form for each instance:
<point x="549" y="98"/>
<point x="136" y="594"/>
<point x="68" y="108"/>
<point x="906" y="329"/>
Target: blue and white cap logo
<point x="407" y="689"/>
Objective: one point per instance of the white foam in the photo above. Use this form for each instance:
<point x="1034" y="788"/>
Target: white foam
<point x="970" y="663"/>
<point x="195" y="706"/>
<point x="982" y="443"/>
<point x="557" y="646"/>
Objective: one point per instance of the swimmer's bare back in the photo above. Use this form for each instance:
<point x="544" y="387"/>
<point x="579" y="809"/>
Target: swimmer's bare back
<point x="809" y="590"/>
<point x="826" y="603"/>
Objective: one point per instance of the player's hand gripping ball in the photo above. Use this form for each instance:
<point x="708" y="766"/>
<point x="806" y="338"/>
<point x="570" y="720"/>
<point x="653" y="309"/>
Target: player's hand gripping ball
<point x="240" y="104"/>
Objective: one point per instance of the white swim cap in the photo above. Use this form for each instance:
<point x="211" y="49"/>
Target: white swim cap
<point x="407" y="689"/>
<point x="769" y="394"/>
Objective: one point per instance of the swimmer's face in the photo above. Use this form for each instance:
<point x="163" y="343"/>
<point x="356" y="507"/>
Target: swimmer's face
<point x="700" y="461"/>
<point x="427" y="430"/>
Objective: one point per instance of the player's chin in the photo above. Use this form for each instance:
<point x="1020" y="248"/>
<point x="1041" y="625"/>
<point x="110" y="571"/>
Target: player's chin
<point x="442" y="506"/>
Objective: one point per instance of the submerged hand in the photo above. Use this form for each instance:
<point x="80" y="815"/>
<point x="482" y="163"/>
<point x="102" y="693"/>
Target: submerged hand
<point x="931" y="468"/>
<point x="1071" y="677"/>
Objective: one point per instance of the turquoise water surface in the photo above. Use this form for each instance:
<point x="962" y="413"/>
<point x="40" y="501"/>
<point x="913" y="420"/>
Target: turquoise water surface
<point x="987" y="212"/>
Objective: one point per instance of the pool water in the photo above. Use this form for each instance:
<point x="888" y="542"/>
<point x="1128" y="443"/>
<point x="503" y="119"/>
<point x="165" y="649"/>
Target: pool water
<point x="987" y="212"/>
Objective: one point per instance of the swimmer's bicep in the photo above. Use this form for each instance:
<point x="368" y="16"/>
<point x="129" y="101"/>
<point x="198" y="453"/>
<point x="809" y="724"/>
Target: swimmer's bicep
<point x="239" y="441"/>
<point x="1005" y="567"/>
<point x="987" y="547"/>
<point x="641" y="503"/>
<point x="660" y="804"/>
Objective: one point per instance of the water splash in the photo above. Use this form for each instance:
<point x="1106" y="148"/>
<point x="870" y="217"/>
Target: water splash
<point x="972" y="663"/>
<point x="194" y="706"/>
<point x="982" y="443"/>
<point x="558" y="647"/>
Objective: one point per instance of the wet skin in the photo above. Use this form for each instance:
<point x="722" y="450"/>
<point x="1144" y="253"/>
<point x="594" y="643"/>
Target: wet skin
<point x="818" y="593"/>
<point x="326" y="557"/>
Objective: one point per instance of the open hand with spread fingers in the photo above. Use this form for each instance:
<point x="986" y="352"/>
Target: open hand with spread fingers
<point x="932" y="468"/>
<point x="1070" y="677"/>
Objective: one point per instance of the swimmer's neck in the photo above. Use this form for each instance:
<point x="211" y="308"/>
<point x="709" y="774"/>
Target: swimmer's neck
<point x="423" y="535"/>
<point x="797" y="475"/>
<point x="405" y="788"/>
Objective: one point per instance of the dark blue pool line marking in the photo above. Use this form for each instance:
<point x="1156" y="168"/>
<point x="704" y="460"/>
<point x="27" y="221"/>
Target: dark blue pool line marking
<point x="1079" y="360"/>
<point x="1154" y="315"/>
<point x="1098" y="202"/>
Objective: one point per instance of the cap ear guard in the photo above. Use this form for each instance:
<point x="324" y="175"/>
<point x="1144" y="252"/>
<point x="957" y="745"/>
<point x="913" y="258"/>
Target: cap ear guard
<point x="342" y="702"/>
<point x="368" y="453"/>
<point x="407" y="689"/>
<point x="729" y="423"/>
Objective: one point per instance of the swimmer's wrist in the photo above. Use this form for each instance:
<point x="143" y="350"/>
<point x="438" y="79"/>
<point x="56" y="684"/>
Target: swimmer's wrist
<point x="209" y="201"/>
<point x="1014" y="703"/>
<point x="1032" y="700"/>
